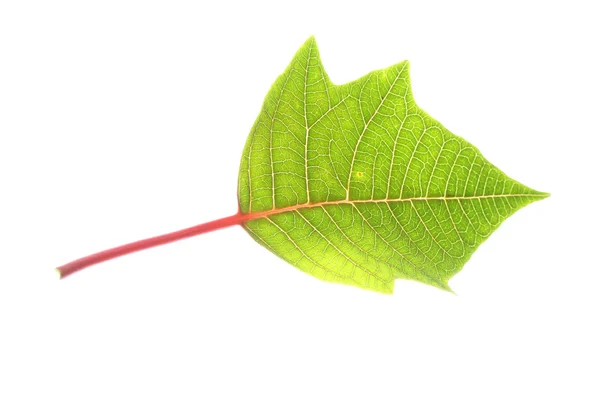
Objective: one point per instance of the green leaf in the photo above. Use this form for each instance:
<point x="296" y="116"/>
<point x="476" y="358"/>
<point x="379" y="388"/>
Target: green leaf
<point x="356" y="184"/>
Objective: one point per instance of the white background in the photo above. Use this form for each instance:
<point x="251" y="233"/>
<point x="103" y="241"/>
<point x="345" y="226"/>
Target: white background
<point x="121" y="120"/>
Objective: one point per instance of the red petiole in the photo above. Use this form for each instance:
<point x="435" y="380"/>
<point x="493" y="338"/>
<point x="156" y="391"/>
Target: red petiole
<point x="129" y="248"/>
<point x="237" y="219"/>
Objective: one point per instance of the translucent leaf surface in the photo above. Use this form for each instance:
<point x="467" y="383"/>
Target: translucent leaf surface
<point x="356" y="184"/>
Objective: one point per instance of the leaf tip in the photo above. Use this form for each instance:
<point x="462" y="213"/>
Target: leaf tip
<point x="540" y="196"/>
<point x="449" y="290"/>
<point x="310" y="41"/>
<point x="446" y="287"/>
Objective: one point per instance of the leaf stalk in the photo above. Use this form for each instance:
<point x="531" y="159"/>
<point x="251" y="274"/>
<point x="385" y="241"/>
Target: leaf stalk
<point x="96" y="258"/>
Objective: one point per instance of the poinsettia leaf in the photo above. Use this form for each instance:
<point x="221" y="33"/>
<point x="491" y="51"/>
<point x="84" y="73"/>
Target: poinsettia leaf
<point x="356" y="184"/>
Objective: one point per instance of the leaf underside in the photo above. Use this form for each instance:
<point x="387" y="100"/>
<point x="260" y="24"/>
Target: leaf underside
<point x="356" y="184"/>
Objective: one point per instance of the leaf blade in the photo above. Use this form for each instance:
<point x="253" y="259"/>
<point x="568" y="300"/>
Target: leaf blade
<point x="356" y="184"/>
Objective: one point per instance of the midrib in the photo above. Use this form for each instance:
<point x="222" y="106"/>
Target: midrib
<point x="275" y="211"/>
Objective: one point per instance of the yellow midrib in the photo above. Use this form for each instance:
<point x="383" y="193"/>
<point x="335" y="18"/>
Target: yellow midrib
<point x="274" y="211"/>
